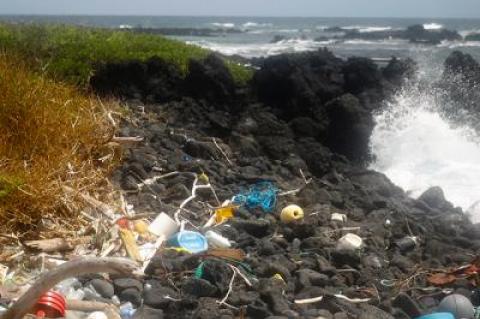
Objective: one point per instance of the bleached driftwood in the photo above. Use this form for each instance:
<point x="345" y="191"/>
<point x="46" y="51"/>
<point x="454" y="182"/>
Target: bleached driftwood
<point x="57" y="244"/>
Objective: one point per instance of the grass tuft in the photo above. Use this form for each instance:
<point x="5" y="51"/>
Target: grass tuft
<point x="70" y="53"/>
<point x="51" y="137"/>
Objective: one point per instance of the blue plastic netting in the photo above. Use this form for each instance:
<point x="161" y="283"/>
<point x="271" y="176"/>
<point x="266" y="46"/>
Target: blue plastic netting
<point x="262" y="194"/>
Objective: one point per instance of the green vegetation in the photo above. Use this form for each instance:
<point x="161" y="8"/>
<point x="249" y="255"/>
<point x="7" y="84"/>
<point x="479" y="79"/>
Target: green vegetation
<point x="70" y="53"/>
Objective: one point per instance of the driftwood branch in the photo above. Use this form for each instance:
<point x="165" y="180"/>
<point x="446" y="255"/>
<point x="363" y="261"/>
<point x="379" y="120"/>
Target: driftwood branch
<point x="57" y="244"/>
<point x="127" y="139"/>
<point x="69" y="269"/>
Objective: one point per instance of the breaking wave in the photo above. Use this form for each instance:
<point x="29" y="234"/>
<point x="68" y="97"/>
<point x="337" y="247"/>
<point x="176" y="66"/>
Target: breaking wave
<point x="250" y="24"/>
<point x="432" y="26"/>
<point x="416" y="147"/>
<point x="367" y="29"/>
<point x="250" y="50"/>
<point x="226" y="25"/>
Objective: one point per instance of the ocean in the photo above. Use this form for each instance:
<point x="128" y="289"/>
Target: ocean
<point x="299" y="34"/>
<point x="413" y="144"/>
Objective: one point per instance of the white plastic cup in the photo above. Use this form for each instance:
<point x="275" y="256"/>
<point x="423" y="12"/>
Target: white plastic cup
<point x="350" y="242"/>
<point x="217" y="240"/>
<point x="163" y="226"/>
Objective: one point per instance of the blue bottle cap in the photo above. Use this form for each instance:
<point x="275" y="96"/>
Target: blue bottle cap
<point x="192" y="241"/>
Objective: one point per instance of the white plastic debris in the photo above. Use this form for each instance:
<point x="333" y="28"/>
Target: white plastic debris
<point x="97" y="315"/>
<point x="338" y="217"/>
<point x="350" y="242"/>
<point x="217" y="240"/>
<point x="163" y="225"/>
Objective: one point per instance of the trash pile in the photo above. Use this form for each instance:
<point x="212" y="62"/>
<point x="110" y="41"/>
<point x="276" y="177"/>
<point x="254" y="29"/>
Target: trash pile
<point x="235" y="214"/>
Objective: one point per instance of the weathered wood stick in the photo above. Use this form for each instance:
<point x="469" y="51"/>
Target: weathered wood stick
<point x="57" y="244"/>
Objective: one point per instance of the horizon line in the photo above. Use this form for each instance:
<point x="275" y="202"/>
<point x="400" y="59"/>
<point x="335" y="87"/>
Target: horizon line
<point x="226" y="16"/>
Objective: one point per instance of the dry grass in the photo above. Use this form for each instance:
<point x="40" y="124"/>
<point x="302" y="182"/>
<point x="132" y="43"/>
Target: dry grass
<point x="51" y="136"/>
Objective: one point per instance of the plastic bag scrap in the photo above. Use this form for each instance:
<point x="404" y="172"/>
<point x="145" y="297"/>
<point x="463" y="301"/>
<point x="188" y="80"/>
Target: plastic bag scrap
<point x="262" y="194"/>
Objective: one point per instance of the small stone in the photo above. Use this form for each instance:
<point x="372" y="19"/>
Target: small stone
<point x="131" y="295"/>
<point x="103" y="287"/>
<point x="148" y="313"/>
<point x="157" y="296"/>
<point x="199" y="288"/>
<point x="257" y="228"/>
<point x="125" y="283"/>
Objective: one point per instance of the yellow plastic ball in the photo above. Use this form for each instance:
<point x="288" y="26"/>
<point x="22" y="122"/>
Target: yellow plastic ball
<point x="291" y="213"/>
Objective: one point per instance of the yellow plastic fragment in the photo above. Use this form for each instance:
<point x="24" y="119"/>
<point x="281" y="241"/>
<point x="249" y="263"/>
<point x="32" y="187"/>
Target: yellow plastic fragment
<point x="223" y="213"/>
<point x="130" y="244"/>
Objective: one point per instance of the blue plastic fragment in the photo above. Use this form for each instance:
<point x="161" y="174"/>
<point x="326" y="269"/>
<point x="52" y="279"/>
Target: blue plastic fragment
<point x="262" y="194"/>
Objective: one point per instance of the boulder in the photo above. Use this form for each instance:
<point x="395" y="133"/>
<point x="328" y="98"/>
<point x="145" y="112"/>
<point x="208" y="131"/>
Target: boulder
<point x="210" y="79"/>
<point x="296" y="84"/>
<point x="350" y="128"/>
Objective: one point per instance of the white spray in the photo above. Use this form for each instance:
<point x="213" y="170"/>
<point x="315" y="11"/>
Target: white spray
<point x="417" y="148"/>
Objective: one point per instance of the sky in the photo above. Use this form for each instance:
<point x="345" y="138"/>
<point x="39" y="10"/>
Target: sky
<point x="313" y="8"/>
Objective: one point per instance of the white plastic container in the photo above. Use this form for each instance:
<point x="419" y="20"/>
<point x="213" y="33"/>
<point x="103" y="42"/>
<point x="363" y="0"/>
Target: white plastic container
<point x="217" y="240"/>
<point x="350" y="242"/>
<point x="163" y="225"/>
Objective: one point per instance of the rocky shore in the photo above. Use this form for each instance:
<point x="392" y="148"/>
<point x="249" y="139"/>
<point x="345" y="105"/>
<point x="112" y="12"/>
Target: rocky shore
<point x="414" y="34"/>
<point x="303" y="124"/>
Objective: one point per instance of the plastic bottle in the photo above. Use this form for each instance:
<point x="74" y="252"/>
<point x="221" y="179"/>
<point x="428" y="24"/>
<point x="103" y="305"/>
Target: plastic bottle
<point x="127" y="311"/>
<point x="217" y="240"/>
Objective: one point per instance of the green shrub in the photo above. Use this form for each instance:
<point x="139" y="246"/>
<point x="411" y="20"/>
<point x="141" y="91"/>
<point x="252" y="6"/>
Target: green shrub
<point x="70" y="52"/>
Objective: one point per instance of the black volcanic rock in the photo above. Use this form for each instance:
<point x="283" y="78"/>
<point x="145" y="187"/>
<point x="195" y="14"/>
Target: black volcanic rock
<point x="210" y="79"/>
<point x="397" y="71"/>
<point x="350" y="128"/>
<point x="460" y="80"/>
<point x="473" y="37"/>
<point x="361" y="74"/>
<point x="297" y="84"/>
<point x="153" y="80"/>
<point x="418" y="34"/>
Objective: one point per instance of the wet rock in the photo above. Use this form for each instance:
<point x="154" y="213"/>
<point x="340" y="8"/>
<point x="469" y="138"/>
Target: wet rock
<point x="398" y="71"/>
<point x="361" y="74"/>
<point x="418" y="34"/>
